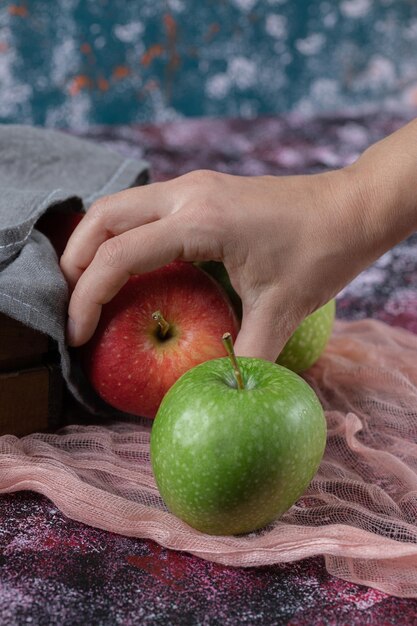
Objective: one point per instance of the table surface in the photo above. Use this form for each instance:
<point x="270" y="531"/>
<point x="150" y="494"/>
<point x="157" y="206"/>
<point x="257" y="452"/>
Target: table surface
<point x="57" y="571"/>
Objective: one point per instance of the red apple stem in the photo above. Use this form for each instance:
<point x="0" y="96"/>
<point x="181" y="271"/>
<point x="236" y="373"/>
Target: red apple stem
<point x="163" y="324"/>
<point x="228" y="344"/>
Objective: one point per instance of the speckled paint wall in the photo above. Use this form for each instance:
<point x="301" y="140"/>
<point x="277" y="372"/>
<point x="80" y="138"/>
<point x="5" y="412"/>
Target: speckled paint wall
<point x="73" y="63"/>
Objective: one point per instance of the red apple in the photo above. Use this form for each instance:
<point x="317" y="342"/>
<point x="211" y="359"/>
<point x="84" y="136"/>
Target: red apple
<point x="136" y="355"/>
<point x="58" y="227"/>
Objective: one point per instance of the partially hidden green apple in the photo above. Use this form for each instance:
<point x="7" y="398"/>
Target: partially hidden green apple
<point x="310" y="338"/>
<point x="230" y="457"/>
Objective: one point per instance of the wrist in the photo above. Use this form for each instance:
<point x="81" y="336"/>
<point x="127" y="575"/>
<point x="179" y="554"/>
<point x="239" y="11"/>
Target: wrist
<point x="385" y="176"/>
<point x="353" y="229"/>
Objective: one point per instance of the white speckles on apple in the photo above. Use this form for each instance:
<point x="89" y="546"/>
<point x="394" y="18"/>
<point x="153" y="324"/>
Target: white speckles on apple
<point x="228" y="462"/>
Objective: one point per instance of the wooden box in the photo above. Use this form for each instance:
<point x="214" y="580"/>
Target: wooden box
<point x="31" y="384"/>
<point x="20" y="346"/>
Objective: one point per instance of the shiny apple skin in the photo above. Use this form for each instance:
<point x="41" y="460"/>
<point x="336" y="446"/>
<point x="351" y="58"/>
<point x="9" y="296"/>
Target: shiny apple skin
<point x="230" y="461"/>
<point x="127" y="362"/>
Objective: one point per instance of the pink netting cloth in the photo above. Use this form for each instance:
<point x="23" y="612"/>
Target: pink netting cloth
<point x="360" y="511"/>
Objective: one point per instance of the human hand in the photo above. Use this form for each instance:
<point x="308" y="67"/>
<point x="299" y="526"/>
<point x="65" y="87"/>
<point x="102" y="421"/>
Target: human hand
<point x="289" y="244"/>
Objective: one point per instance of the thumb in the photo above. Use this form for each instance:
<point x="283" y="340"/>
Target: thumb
<point x="267" y="324"/>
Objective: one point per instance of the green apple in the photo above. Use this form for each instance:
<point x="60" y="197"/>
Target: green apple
<point x="229" y="460"/>
<point x="310" y="338"/>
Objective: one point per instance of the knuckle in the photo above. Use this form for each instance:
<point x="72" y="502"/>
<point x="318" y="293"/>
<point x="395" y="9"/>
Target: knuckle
<point x="198" y="193"/>
<point x="111" y="253"/>
<point x="205" y="214"/>
<point x="204" y="178"/>
<point x="99" y="208"/>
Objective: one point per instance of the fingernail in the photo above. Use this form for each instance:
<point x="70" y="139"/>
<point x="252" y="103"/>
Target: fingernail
<point x="71" y="331"/>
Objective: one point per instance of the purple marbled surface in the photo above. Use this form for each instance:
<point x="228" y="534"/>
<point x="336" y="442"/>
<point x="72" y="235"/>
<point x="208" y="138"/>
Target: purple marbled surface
<point x="57" y="571"/>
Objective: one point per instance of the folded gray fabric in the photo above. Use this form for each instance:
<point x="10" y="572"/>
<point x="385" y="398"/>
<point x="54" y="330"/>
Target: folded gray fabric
<point x="40" y="169"/>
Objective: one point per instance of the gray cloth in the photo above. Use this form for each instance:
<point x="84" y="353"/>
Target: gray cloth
<point x="40" y="169"/>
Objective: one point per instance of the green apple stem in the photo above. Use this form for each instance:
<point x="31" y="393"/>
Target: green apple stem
<point x="228" y="344"/>
<point x="163" y="324"/>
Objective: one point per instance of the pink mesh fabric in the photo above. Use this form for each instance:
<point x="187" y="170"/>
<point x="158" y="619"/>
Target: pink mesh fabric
<point x="360" y="511"/>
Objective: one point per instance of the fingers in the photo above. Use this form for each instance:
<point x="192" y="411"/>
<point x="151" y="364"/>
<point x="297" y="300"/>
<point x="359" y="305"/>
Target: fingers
<point x="109" y="216"/>
<point x="267" y="324"/>
<point x="135" y="251"/>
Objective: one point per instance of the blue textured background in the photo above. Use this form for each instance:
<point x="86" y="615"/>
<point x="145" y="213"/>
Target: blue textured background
<point x="79" y="62"/>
